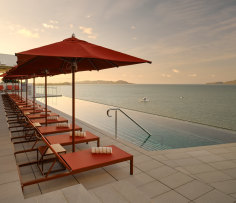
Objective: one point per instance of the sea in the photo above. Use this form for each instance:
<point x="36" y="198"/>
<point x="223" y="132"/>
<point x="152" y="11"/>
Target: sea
<point x="213" y="105"/>
<point x="176" y="116"/>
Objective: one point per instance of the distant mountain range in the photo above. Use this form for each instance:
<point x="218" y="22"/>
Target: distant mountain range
<point x="90" y="82"/>
<point x="233" y="82"/>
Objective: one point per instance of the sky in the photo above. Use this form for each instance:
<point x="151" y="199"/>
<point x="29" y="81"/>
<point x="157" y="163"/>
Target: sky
<point x="188" y="41"/>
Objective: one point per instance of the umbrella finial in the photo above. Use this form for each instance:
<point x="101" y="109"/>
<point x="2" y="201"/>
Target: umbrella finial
<point x="73" y="35"/>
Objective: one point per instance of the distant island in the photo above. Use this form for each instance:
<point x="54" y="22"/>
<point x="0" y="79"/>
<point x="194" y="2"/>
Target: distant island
<point x="90" y="82"/>
<point x="233" y="82"/>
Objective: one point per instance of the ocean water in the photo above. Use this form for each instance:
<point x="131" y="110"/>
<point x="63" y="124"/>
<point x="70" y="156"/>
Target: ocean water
<point x="212" y="105"/>
<point x="166" y="133"/>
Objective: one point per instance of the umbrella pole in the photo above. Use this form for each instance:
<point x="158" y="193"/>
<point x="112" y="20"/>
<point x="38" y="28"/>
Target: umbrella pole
<point x="34" y="93"/>
<point x="26" y="92"/>
<point x="21" y="88"/>
<point x="73" y="108"/>
<point x="18" y="88"/>
<point x="46" y="105"/>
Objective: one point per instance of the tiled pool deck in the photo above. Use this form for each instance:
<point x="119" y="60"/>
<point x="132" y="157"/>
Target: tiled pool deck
<point x="198" y="174"/>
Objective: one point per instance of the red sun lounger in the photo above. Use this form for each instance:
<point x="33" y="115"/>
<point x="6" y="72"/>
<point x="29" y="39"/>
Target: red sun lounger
<point x="66" y="139"/>
<point x="36" y="111"/>
<point x="80" y="161"/>
<point x="17" y="87"/>
<point x="42" y="120"/>
<point x="28" y="108"/>
<point x="9" y="87"/>
<point x="46" y="130"/>
<point x="40" y="115"/>
<point x="84" y="160"/>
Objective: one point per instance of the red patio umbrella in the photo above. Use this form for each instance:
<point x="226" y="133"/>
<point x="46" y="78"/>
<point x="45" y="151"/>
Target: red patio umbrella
<point x="69" y="56"/>
<point x="10" y="75"/>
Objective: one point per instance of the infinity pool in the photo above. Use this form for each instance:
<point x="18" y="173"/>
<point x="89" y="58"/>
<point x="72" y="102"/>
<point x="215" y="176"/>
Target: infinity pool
<point x="166" y="133"/>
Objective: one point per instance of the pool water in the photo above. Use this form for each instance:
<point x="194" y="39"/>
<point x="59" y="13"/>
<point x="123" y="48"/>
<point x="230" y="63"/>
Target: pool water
<point x="166" y="133"/>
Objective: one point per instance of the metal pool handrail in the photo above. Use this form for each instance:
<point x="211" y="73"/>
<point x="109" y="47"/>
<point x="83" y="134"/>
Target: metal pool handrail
<point x="118" y="109"/>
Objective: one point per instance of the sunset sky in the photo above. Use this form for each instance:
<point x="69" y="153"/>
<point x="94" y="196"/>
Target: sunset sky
<point x="188" y="41"/>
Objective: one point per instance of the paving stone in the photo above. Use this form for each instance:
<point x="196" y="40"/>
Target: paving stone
<point x="31" y="191"/>
<point x="159" y="157"/>
<point x="219" y="150"/>
<point x="199" y="153"/>
<point x="108" y="194"/>
<point x="139" y="179"/>
<point x="161" y="172"/>
<point x="199" y="168"/>
<point x="7" y="163"/>
<point x="223" y="165"/>
<point x="229" y="156"/>
<point x="170" y="197"/>
<point x="94" y="178"/>
<point x="172" y="163"/>
<point x="216" y="197"/>
<point x="78" y="193"/>
<point x="228" y="186"/>
<point x="11" y="192"/>
<point x="130" y="192"/>
<point x="120" y="173"/>
<point x="232" y="149"/>
<point x="193" y="189"/>
<point x="141" y="159"/>
<point x="210" y="158"/>
<point x="153" y="189"/>
<point x="57" y="184"/>
<point x="9" y="176"/>
<point x="211" y="177"/>
<point x="175" y="180"/>
<point x="233" y="195"/>
<point x="188" y="162"/>
<point x="52" y="197"/>
<point x="148" y="165"/>
<point x="231" y="172"/>
<point x="177" y="155"/>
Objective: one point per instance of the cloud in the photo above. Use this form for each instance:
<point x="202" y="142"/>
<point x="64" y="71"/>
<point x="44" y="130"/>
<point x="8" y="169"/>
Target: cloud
<point x="50" y="26"/>
<point x="88" y="16"/>
<point x="86" y="30"/>
<point x="133" y="27"/>
<point x="165" y="75"/>
<point x="27" y="33"/>
<point x="193" y="75"/>
<point x="134" y="38"/>
<point x="175" y="70"/>
<point x="53" y="21"/>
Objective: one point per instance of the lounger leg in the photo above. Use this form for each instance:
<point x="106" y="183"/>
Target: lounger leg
<point x="50" y="168"/>
<point x="131" y="166"/>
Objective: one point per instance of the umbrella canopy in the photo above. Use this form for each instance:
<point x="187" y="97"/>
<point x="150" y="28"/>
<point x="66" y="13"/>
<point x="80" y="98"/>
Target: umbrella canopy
<point x="58" y="57"/>
<point x="3" y="75"/>
<point x="69" y="56"/>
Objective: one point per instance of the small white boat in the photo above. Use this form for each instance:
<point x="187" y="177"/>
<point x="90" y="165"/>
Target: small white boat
<point x="144" y="99"/>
